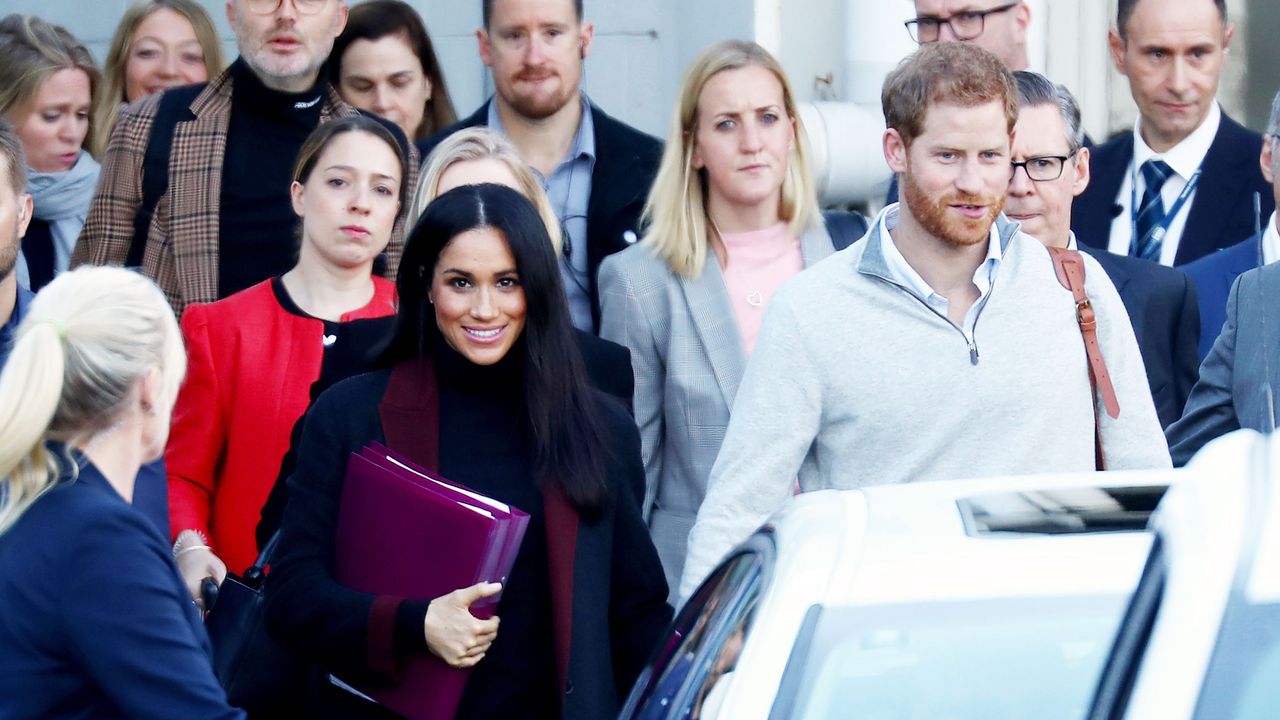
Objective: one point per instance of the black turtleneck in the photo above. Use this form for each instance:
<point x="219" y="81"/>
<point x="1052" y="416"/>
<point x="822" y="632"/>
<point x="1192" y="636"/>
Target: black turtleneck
<point x="485" y="445"/>
<point x="257" y="226"/>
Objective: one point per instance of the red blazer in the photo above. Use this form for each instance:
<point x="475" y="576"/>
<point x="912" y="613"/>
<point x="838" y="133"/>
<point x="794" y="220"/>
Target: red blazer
<point x="251" y="364"/>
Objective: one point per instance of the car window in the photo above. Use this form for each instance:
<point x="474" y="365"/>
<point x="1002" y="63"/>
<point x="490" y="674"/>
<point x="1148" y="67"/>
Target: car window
<point x="691" y="672"/>
<point x="1116" y="681"/>
<point x="1241" y="682"/>
<point x="1032" y="658"/>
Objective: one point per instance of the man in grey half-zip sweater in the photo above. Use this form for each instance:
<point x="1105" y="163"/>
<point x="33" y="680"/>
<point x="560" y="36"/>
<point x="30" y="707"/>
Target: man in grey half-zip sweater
<point x="862" y="375"/>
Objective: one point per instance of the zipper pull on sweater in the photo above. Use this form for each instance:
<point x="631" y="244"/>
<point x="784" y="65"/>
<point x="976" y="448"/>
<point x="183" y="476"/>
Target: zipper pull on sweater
<point x="973" y="353"/>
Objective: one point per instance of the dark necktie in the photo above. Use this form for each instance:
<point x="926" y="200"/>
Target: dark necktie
<point x="1146" y="244"/>
<point x="37" y="249"/>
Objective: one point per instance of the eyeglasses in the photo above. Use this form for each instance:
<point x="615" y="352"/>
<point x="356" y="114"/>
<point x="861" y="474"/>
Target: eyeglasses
<point x="1042" y="168"/>
<point x="266" y="7"/>
<point x="965" y="25"/>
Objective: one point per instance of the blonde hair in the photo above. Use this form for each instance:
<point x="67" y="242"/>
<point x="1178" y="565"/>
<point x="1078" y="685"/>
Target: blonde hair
<point x="90" y="336"/>
<point x="32" y="50"/>
<point x="676" y="212"/>
<point x="481" y="143"/>
<point x="113" y="70"/>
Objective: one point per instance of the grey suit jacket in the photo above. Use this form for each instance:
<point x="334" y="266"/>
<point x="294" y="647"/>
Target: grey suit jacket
<point x="1245" y="359"/>
<point x="688" y="359"/>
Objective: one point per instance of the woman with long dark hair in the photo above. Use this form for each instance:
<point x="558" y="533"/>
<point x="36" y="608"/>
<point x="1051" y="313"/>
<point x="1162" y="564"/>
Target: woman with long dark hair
<point x="486" y="386"/>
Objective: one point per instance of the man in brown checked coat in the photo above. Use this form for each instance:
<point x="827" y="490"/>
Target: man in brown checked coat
<point x="224" y="221"/>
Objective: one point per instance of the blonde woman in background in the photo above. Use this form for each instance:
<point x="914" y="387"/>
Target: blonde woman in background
<point x="158" y="44"/>
<point x="96" y="621"/>
<point x="732" y="215"/>
<point x="48" y="83"/>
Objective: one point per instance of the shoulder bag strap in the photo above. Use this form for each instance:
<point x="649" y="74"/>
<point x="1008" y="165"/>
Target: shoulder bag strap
<point x="1069" y="267"/>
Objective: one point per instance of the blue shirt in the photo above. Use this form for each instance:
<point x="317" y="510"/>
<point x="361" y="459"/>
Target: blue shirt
<point x="569" y="189"/>
<point x="7" y="332"/>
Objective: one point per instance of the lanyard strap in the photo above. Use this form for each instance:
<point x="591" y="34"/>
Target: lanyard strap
<point x="1158" y="231"/>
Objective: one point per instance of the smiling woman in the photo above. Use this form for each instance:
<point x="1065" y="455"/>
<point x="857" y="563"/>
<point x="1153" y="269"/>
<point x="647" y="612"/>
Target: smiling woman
<point x="158" y="44"/>
<point x="47" y="86"/>
<point x="260" y="356"/>
<point x="484" y="386"/>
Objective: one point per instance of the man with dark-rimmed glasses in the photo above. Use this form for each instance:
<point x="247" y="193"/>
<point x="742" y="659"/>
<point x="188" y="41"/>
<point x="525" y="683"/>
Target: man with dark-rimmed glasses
<point x="1050" y="168"/>
<point x="1000" y="27"/>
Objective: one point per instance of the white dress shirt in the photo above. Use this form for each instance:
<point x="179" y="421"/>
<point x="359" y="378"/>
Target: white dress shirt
<point x="907" y="276"/>
<point x="1185" y="158"/>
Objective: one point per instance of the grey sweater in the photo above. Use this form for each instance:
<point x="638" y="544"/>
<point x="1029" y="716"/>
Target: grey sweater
<point x="855" y="382"/>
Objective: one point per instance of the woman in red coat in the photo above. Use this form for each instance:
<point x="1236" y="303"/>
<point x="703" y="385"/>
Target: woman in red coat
<point x="258" y="358"/>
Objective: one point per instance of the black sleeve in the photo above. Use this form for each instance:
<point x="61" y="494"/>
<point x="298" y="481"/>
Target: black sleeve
<point x="306" y="607"/>
<point x="273" y="509"/>
<point x="638" y="609"/>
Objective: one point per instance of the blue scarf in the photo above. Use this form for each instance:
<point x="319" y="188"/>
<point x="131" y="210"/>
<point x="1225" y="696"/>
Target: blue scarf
<point x="62" y="200"/>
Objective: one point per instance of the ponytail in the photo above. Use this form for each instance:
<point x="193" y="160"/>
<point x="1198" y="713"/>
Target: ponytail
<point x="90" y="336"/>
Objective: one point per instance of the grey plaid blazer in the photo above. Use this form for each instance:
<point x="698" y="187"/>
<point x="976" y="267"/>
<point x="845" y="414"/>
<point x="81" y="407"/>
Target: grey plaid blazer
<point x="181" y="253"/>
<point x="688" y="359"/>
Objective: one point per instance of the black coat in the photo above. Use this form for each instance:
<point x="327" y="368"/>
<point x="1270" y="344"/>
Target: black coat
<point x="608" y="591"/>
<point x="1161" y="303"/>
<point x="1222" y="211"/>
<point x="626" y="164"/>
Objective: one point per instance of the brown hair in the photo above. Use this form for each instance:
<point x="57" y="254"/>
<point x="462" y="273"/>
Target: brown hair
<point x="954" y="73"/>
<point x="320" y="138"/>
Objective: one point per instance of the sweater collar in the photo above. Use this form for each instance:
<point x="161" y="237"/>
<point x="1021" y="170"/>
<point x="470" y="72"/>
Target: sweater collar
<point x="249" y="92"/>
<point x="874" y="262"/>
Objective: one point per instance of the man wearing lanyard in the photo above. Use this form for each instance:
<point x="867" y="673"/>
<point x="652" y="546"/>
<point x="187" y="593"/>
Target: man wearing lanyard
<point x="15" y="215"/>
<point x="595" y="169"/>
<point x="1181" y="185"/>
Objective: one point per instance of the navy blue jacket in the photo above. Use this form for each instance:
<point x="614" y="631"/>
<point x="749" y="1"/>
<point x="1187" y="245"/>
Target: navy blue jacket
<point x="1222" y="211"/>
<point x="1161" y="303"/>
<point x="626" y="164"/>
<point x="96" y="622"/>
<point x="1213" y="276"/>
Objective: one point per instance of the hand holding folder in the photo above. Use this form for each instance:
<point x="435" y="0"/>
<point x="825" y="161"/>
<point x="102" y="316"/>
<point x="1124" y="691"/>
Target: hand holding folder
<point x="407" y="532"/>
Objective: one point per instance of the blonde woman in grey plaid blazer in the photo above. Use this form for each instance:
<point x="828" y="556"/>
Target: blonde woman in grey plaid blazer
<point x="732" y="215"/>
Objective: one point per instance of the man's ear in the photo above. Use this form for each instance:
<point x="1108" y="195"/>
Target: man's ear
<point x="586" y="35"/>
<point x="340" y="22"/>
<point x="1083" y="172"/>
<point x="26" y="209"/>
<point x="486" y="49"/>
<point x="1115" y="45"/>
<point x="1022" y="20"/>
<point x="1266" y="160"/>
<point x="895" y="151"/>
<point x="231" y="13"/>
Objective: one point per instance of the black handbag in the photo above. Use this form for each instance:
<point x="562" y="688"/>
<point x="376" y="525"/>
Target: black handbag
<point x="259" y="674"/>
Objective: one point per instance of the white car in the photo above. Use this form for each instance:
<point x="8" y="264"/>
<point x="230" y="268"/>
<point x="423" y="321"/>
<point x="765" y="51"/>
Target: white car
<point x="1201" y="638"/>
<point x="950" y="600"/>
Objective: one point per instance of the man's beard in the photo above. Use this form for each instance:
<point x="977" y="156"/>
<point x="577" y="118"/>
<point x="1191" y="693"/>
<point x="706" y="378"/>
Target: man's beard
<point x="9" y="256"/>
<point x="937" y="219"/>
<point x="539" y="107"/>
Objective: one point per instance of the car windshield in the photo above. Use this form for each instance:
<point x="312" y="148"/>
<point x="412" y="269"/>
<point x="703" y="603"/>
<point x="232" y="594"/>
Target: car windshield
<point x="1027" y="658"/>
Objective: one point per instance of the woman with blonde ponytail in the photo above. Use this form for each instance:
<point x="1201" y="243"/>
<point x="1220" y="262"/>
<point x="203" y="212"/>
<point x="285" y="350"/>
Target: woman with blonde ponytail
<point x="96" y="621"/>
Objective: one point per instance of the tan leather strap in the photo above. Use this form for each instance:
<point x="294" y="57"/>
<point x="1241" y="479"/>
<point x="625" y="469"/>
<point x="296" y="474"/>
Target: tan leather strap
<point x="1069" y="267"/>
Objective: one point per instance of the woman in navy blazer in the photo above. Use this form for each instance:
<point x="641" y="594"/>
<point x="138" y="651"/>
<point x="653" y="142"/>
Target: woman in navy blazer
<point x="96" y="622"/>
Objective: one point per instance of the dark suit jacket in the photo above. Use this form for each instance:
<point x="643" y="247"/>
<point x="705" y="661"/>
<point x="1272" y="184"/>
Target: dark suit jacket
<point x="1229" y="394"/>
<point x="1213" y="276"/>
<point x="1161" y="303"/>
<point x="1222" y="211"/>
<point x="96" y="622"/>
<point x="626" y="163"/>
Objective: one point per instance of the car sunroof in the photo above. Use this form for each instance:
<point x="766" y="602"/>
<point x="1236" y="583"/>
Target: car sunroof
<point x="1065" y="511"/>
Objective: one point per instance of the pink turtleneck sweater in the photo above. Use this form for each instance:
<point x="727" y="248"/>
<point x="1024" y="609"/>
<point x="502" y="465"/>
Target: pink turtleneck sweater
<point x="759" y="261"/>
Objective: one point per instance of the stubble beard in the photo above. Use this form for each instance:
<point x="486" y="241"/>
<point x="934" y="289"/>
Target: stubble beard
<point x="9" y="256"/>
<point x="937" y="219"/>
<point x="539" y="107"/>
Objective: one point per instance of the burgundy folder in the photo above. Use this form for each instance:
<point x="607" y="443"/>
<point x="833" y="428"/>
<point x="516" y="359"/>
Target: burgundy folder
<point x="406" y="532"/>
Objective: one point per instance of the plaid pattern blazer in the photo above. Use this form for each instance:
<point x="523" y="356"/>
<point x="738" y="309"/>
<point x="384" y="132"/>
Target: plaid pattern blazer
<point x="181" y="253"/>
